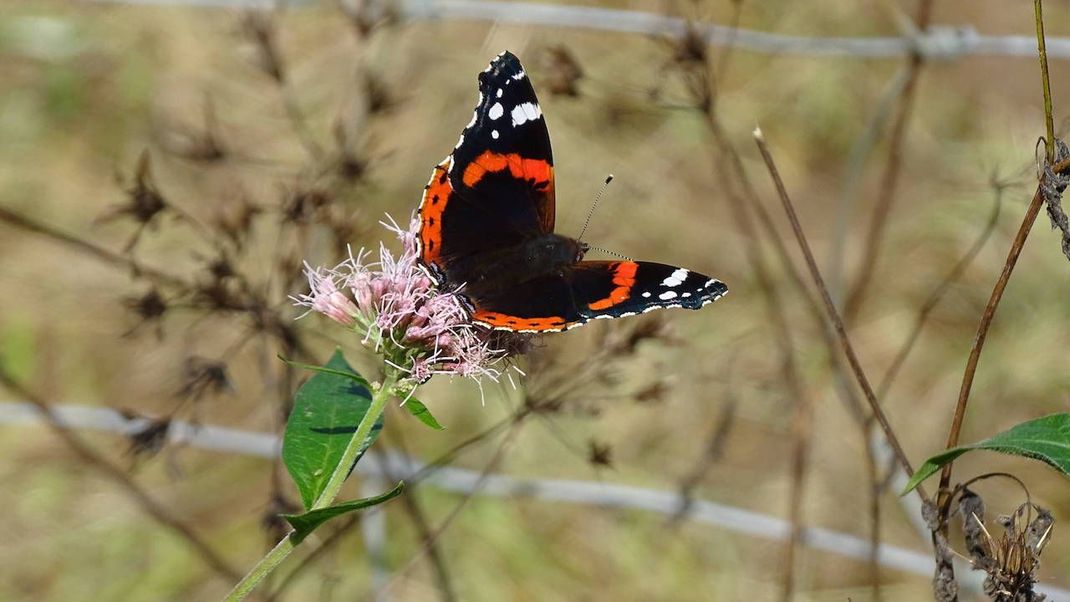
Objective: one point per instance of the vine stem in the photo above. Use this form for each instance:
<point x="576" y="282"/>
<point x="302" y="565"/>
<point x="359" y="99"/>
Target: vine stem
<point x="1008" y="266"/>
<point x="286" y="545"/>
<point x="1042" y="54"/>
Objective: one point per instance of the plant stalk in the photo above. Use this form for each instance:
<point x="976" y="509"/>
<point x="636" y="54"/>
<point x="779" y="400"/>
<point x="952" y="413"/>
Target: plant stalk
<point x="1042" y="54"/>
<point x="274" y="558"/>
<point x="1008" y="267"/>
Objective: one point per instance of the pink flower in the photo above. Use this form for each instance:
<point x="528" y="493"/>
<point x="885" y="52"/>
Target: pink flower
<point x="326" y="298"/>
<point x="397" y="311"/>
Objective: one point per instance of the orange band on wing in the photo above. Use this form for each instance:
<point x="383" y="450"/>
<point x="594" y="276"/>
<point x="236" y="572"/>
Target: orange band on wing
<point x="537" y="170"/>
<point x="497" y="320"/>
<point x="623" y="280"/>
<point x="436" y="195"/>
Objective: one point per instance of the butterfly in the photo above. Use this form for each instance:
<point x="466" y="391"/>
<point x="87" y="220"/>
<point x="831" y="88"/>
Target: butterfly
<point x="487" y="227"/>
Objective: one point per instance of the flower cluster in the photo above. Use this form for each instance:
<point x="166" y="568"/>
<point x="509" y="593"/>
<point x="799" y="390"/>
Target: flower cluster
<point x="398" y="311"/>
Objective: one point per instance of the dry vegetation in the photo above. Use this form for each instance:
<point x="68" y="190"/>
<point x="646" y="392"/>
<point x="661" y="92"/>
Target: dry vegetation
<point x="264" y="160"/>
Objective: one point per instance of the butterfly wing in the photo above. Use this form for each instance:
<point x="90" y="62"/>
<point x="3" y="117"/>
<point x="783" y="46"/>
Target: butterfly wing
<point x="595" y="289"/>
<point x="497" y="187"/>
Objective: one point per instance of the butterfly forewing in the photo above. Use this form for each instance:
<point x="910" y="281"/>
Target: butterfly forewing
<point x="498" y="183"/>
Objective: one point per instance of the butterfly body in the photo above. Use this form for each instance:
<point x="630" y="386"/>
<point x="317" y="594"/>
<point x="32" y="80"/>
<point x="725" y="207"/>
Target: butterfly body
<point x="487" y="227"/>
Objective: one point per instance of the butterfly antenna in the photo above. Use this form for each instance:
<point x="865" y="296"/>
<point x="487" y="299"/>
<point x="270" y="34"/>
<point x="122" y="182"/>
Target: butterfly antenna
<point x="594" y="205"/>
<point x="613" y="253"/>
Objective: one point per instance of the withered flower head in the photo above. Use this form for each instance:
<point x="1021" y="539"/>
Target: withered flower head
<point x="143" y="201"/>
<point x="148" y="439"/>
<point x="204" y="377"/>
<point x="1011" y="560"/>
<point x="149" y="308"/>
<point x="563" y="71"/>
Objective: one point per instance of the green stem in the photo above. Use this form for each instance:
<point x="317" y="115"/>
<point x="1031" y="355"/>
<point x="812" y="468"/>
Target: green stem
<point x="281" y="550"/>
<point x="1042" y="52"/>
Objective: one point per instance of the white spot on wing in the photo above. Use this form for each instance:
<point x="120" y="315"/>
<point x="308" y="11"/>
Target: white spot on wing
<point x="676" y="278"/>
<point x="646" y="294"/>
<point x="494" y="134"/>
<point x="667" y="295"/>
<point x="525" y="112"/>
<point x="497" y="111"/>
<point x="500" y="92"/>
<point x="519" y="75"/>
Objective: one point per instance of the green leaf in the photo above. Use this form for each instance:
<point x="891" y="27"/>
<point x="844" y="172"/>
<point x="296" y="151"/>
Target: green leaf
<point x="420" y="411"/>
<point x="327" y="410"/>
<point x="306" y="523"/>
<point x="1046" y="439"/>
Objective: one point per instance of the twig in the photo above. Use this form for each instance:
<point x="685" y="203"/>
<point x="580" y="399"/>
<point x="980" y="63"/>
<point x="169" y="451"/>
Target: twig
<point x="116" y="474"/>
<point x="488" y="469"/>
<point x="890" y="178"/>
<point x="986" y="322"/>
<point x="830" y="309"/>
<point x="423" y="527"/>
<point x="1005" y="274"/>
<point x="774" y="308"/>
<point x="861" y="151"/>
<point x="1042" y="56"/>
<point x="106" y="255"/>
<point x="938" y="293"/>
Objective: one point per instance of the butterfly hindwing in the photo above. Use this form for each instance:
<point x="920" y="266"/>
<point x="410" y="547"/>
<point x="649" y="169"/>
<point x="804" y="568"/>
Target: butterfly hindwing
<point x="497" y="187"/>
<point x="596" y="289"/>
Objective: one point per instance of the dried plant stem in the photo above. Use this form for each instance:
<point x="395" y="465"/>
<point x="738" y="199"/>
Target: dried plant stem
<point x="982" y="329"/>
<point x="890" y="178"/>
<point x="937" y="294"/>
<point x="1042" y="55"/>
<point x="1008" y="268"/>
<point x="873" y="482"/>
<point x="286" y="545"/>
<point x="492" y="465"/>
<point x="423" y="527"/>
<point x="801" y="405"/>
<point x="106" y="255"/>
<point x="830" y="309"/>
<point x="118" y="475"/>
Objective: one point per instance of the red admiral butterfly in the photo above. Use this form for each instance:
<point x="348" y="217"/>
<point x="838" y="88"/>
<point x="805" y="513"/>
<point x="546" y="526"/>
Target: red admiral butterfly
<point x="487" y="227"/>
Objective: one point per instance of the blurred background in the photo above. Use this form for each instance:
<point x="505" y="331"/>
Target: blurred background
<point x="167" y="165"/>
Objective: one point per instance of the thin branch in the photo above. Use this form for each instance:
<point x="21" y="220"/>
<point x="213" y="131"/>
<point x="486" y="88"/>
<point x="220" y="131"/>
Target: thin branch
<point x="123" y="480"/>
<point x="1042" y="56"/>
<point x="423" y="527"/>
<point x="890" y="178"/>
<point x="1005" y="274"/>
<point x="106" y="255"/>
<point x="938" y="293"/>
<point x="986" y="322"/>
<point x="490" y="467"/>
<point x="778" y="319"/>
<point x="830" y="308"/>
